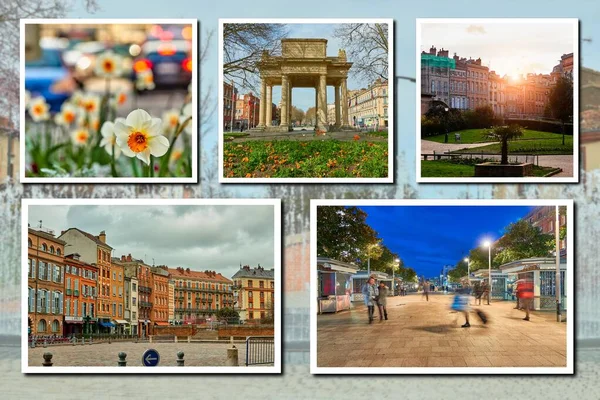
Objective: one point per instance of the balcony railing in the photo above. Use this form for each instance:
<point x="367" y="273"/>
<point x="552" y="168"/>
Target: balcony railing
<point x="145" y="289"/>
<point x="68" y="292"/>
<point x="194" y="310"/>
<point x="145" y="304"/>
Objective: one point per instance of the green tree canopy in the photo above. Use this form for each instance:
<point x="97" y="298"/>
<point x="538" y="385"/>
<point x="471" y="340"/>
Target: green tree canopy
<point x="560" y="100"/>
<point x="343" y="234"/>
<point x="407" y="274"/>
<point x="386" y="260"/>
<point x="459" y="270"/>
<point x="522" y="240"/>
<point x="228" y="314"/>
<point x="506" y="134"/>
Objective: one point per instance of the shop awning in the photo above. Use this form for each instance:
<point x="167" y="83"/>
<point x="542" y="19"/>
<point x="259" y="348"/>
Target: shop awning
<point x="107" y="324"/>
<point x="74" y="322"/>
<point x="121" y="322"/>
<point x="160" y="323"/>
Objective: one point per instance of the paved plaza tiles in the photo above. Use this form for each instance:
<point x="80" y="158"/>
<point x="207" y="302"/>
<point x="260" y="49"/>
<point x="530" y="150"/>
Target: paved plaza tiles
<point x="106" y="355"/>
<point x="428" y="334"/>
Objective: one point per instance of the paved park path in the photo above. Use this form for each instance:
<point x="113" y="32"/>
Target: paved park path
<point x="429" y="334"/>
<point x="565" y="162"/>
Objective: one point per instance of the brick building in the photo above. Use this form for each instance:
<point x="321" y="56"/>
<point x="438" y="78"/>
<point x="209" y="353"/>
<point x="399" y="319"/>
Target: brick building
<point x="478" y="84"/>
<point x="247" y="111"/>
<point x="45" y="282"/>
<point x="368" y="107"/>
<point x="134" y="268"/>
<point x="458" y="84"/>
<point x="435" y="74"/>
<point x="199" y="294"/>
<point x="94" y="250"/>
<point x="544" y="218"/>
<point x="254" y="292"/>
<point x="229" y="96"/>
<point x="160" y="296"/>
<point x="117" y="298"/>
<point x="81" y="292"/>
<point x="131" y="305"/>
<point x="497" y="92"/>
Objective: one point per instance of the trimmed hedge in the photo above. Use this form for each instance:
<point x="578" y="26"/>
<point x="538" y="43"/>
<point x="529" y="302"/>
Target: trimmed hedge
<point x="544" y="126"/>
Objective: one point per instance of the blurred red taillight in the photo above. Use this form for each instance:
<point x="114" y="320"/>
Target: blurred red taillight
<point x="166" y="49"/>
<point x="187" y="64"/>
<point x="142" y="65"/>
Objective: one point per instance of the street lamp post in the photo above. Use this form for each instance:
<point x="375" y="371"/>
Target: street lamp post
<point x="468" y="270"/>
<point x="446" y="125"/>
<point x="397" y="260"/>
<point x="488" y="244"/>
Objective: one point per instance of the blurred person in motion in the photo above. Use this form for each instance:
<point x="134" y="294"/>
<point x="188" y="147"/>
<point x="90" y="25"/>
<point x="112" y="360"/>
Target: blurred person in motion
<point x="426" y="290"/>
<point x="382" y="301"/>
<point x="370" y="293"/>
<point x="461" y="303"/>
<point x="525" y="295"/>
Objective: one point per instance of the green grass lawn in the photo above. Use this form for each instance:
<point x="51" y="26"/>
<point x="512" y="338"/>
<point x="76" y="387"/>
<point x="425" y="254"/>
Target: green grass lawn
<point x="539" y="147"/>
<point x="449" y="169"/>
<point x="305" y="159"/>
<point x="478" y="136"/>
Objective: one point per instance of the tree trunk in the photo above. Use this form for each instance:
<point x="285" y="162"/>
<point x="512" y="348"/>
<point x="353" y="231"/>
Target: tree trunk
<point x="504" y="159"/>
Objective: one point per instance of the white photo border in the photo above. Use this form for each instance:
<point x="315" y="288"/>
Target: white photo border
<point x="275" y="369"/>
<point x="469" y="180"/>
<point x="568" y="370"/>
<point x="391" y="99"/>
<point x="111" y="180"/>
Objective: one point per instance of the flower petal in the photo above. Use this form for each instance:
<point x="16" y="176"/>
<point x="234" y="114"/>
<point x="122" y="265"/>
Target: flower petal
<point x="144" y="156"/>
<point x="158" y="145"/>
<point x="137" y="118"/>
<point x="108" y="129"/>
<point x="121" y="131"/>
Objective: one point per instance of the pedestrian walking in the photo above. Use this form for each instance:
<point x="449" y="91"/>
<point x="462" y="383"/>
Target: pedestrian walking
<point x="525" y="295"/>
<point x="369" y="291"/>
<point x="382" y="301"/>
<point x="486" y="292"/>
<point x="426" y="290"/>
<point x="478" y="293"/>
<point x="461" y="304"/>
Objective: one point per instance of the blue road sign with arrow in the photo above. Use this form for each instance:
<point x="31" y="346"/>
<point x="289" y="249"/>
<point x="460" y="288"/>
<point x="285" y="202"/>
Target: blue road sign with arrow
<point x="150" y="358"/>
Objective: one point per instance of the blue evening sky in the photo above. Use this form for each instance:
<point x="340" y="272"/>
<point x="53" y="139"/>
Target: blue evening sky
<point x="403" y="12"/>
<point x="428" y="237"/>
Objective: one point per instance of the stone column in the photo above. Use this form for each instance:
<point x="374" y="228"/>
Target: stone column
<point x="344" y="103"/>
<point x="317" y="104"/>
<point x="337" y="106"/>
<point x="322" y="109"/>
<point x="284" y="101"/>
<point x="261" y="110"/>
<point x="268" y="106"/>
<point x="290" y="104"/>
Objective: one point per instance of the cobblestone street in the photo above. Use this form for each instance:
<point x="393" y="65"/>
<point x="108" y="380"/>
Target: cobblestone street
<point x="105" y="355"/>
<point x="429" y="334"/>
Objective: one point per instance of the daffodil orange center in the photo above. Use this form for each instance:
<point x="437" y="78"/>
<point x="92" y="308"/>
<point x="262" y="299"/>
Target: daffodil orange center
<point x="138" y="141"/>
<point x="90" y="106"/>
<point x="82" y="136"/>
<point x="174" y="120"/>
<point x="38" y="109"/>
<point x="122" y="98"/>
<point x="108" y="66"/>
<point x="69" y="117"/>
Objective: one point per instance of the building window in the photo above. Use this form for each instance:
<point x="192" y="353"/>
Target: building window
<point x="114" y="309"/>
<point x="250" y="315"/>
<point x="44" y="247"/>
<point x="120" y="310"/>
<point x="29" y="242"/>
<point x="114" y="276"/>
<point x="58" y="252"/>
<point x="42" y="325"/>
<point x="249" y="282"/>
<point x="31" y="266"/>
<point x="133" y="287"/>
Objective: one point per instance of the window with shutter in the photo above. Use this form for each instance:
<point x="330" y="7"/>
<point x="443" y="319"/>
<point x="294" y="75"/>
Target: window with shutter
<point x="39" y="301"/>
<point x="60" y="303"/>
<point x="47" y="294"/>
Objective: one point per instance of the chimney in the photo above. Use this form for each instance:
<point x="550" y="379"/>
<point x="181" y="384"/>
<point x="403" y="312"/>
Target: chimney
<point x="432" y="50"/>
<point x="122" y="257"/>
<point x="102" y="237"/>
<point x="187" y="270"/>
<point x="129" y="257"/>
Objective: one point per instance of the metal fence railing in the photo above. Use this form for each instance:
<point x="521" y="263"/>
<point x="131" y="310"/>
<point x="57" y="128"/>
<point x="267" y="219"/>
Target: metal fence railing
<point x="260" y="350"/>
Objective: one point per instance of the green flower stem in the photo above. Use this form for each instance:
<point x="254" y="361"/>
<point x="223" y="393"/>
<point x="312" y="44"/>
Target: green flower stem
<point x="134" y="167"/>
<point x="164" y="165"/>
<point x="113" y="169"/>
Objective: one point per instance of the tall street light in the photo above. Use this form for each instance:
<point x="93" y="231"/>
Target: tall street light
<point x="488" y="244"/>
<point x="369" y="259"/>
<point x="397" y="260"/>
<point x="468" y="270"/>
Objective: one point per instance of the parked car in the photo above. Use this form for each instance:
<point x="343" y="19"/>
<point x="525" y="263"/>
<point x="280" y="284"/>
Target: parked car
<point x="43" y="75"/>
<point x="170" y="62"/>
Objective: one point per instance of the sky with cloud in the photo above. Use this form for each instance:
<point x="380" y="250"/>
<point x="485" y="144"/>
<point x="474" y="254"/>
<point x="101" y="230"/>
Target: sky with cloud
<point x="199" y="237"/>
<point x="509" y="48"/>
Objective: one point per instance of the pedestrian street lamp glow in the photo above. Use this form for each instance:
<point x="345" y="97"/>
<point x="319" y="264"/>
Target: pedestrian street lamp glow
<point x="397" y="260"/>
<point x="488" y="244"/>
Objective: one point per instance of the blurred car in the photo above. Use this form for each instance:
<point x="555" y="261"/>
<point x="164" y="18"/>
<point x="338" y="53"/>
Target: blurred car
<point x="44" y="74"/>
<point x="169" y="60"/>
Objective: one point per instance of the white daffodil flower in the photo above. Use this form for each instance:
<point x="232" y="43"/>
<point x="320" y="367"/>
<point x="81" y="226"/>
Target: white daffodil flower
<point x="109" y="139"/>
<point x="91" y="104"/>
<point x="80" y="137"/>
<point x="66" y="116"/>
<point x="39" y="109"/>
<point x="185" y="114"/>
<point x="108" y="65"/>
<point x="140" y="136"/>
<point x="145" y="80"/>
<point x="170" y="120"/>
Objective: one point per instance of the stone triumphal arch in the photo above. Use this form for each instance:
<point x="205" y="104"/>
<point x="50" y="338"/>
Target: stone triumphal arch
<point x="303" y="64"/>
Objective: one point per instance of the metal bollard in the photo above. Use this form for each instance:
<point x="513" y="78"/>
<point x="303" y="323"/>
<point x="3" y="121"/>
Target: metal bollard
<point x="82" y="341"/>
<point x="180" y="360"/>
<point x="45" y="343"/>
<point x="47" y="360"/>
<point x="122" y="359"/>
<point x="189" y="339"/>
<point x="175" y="338"/>
<point x="232" y="357"/>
